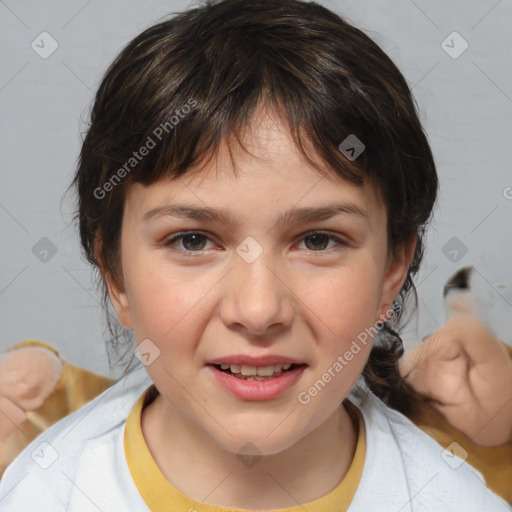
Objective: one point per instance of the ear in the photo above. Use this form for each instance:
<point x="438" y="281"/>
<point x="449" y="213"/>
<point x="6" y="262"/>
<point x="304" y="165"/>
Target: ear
<point x="115" y="288"/>
<point x="395" y="275"/>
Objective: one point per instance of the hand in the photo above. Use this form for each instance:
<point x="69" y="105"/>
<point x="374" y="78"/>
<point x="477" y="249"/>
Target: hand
<point x="28" y="376"/>
<point x="11" y="417"/>
<point x="466" y="372"/>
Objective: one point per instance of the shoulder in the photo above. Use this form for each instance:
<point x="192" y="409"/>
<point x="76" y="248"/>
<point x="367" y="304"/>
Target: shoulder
<point x="406" y="467"/>
<point x="44" y="474"/>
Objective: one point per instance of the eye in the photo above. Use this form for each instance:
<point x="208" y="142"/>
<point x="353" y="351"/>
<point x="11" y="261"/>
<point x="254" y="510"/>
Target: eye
<point x="194" y="241"/>
<point x="319" y="240"/>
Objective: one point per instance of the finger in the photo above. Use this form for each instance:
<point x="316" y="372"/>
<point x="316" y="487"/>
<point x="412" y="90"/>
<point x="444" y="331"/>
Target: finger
<point x="436" y="348"/>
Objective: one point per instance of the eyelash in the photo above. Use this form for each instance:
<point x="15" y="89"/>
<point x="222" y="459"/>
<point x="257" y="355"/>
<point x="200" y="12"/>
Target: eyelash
<point x="170" y="241"/>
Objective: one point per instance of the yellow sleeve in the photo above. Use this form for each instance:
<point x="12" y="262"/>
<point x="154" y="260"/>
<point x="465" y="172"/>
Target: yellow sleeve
<point x="493" y="462"/>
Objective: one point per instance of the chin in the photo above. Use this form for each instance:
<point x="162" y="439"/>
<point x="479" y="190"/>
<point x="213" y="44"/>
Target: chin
<point x="249" y="442"/>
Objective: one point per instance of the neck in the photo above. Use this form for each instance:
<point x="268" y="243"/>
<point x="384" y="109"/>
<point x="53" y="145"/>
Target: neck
<point x="275" y="481"/>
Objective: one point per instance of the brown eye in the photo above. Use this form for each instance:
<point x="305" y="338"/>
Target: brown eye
<point x="194" y="242"/>
<point x="319" y="241"/>
<point x="191" y="242"/>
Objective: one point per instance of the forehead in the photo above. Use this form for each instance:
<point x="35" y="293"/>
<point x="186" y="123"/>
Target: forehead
<point x="269" y="170"/>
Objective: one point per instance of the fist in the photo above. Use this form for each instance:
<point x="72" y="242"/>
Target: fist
<point x="466" y="372"/>
<point x="28" y="376"/>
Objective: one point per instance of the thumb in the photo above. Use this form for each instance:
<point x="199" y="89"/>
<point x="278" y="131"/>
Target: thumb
<point x="411" y="360"/>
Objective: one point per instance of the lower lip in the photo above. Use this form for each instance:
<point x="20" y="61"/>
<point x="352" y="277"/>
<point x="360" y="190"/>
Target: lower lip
<point x="258" y="389"/>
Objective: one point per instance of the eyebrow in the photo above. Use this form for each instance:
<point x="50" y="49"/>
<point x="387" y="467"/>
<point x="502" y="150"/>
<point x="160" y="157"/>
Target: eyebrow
<point x="294" y="215"/>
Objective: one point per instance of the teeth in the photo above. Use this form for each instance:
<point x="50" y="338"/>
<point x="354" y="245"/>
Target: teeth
<point x="252" y="371"/>
<point x="248" y="370"/>
<point x="266" y="371"/>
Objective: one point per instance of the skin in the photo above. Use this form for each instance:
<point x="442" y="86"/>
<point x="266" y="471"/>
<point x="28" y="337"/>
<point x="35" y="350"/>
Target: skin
<point x="466" y="372"/>
<point x="28" y="376"/>
<point x="294" y="300"/>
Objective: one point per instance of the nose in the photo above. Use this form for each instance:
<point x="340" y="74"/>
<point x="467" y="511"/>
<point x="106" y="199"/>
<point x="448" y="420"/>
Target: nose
<point x="258" y="300"/>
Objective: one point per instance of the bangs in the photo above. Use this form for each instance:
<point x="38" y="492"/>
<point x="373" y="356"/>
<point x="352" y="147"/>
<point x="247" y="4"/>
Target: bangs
<point x="184" y="130"/>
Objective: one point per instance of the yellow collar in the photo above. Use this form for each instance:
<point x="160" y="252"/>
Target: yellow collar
<point x="160" y="495"/>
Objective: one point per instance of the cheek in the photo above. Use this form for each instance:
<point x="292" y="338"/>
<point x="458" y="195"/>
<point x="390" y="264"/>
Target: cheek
<point x="162" y="299"/>
<point x="344" y="308"/>
<point x="346" y="302"/>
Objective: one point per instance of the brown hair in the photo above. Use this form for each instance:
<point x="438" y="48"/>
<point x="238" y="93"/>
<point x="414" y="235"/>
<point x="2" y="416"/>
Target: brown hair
<point x="224" y="59"/>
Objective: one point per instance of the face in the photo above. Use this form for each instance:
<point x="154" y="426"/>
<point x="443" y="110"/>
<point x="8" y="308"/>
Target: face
<point x="265" y="284"/>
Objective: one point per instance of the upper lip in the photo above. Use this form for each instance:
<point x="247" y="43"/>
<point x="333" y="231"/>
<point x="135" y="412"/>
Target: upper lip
<point x="248" y="360"/>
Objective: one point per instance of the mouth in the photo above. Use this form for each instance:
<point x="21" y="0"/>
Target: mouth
<point x="257" y="373"/>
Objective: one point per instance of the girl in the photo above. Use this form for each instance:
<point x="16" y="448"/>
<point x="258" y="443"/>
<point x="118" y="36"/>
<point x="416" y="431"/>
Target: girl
<point x="254" y="189"/>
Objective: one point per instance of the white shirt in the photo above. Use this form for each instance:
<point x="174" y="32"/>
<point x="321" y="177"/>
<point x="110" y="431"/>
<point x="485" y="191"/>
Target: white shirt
<point x="79" y="464"/>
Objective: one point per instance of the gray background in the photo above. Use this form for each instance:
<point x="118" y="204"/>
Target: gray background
<point x="465" y="105"/>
